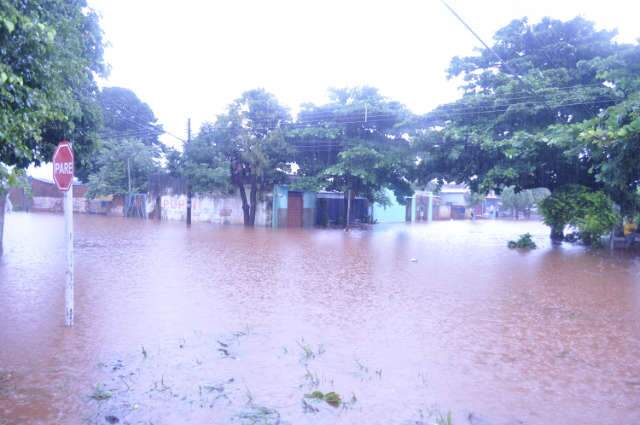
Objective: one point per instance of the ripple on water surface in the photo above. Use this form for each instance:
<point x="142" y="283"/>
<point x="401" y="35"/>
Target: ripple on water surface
<point x="223" y="324"/>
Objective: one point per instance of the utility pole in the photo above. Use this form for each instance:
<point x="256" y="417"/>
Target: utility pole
<point x="189" y="184"/>
<point x="348" y="224"/>
<point x="129" y="174"/>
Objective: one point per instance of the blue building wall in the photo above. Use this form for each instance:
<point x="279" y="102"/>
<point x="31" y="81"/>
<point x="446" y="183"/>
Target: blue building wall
<point x="394" y="213"/>
<point x="280" y="204"/>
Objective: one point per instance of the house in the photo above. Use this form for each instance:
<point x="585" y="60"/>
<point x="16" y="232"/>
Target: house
<point x="296" y="208"/>
<point x="331" y="209"/>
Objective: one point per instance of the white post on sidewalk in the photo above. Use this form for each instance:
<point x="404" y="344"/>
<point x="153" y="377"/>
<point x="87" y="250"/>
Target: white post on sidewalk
<point x="63" y="163"/>
<point x="68" y="233"/>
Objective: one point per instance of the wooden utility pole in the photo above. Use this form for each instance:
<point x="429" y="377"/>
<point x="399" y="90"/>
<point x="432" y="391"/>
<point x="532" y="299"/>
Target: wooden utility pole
<point x="189" y="184"/>
<point x="347" y="224"/>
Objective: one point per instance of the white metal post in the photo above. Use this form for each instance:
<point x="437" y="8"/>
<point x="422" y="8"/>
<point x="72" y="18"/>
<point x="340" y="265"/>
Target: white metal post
<point x="68" y="233"/>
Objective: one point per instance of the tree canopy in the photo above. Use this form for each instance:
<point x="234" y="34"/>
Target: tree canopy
<point x="503" y="131"/>
<point x="356" y="142"/>
<point x="244" y="148"/>
<point x="123" y="166"/>
<point x="125" y="115"/>
<point x="50" y="52"/>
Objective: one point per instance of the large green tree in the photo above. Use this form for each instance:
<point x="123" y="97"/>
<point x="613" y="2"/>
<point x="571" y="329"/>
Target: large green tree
<point x="557" y="109"/>
<point x="611" y="139"/>
<point x="123" y="166"/>
<point x="245" y="145"/>
<point x="201" y="166"/>
<point x="125" y="115"/>
<point x="500" y="132"/>
<point x="523" y="201"/>
<point x="355" y="143"/>
<point x="50" y="52"/>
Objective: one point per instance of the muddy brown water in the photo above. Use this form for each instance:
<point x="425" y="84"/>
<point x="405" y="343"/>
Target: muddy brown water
<point x="217" y="325"/>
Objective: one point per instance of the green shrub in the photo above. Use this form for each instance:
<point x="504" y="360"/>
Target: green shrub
<point x="590" y="212"/>
<point x="524" y="241"/>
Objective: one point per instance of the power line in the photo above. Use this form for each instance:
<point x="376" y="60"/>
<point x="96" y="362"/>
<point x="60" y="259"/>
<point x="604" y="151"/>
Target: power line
<point x="334" y="120"/>
<point x="504" y="63"/>
<point x="329" y="119"/>
<point x="160" y="130"/>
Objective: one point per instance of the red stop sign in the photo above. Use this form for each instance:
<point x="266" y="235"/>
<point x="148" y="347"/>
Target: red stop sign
<point x="63" y="166"/>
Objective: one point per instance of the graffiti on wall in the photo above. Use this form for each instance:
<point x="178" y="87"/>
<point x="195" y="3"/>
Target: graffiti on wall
<point x="223" y="210"/>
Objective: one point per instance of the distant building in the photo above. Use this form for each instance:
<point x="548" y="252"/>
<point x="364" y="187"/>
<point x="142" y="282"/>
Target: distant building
<point x="295" y="208"/>
<point x="46" y="197"/>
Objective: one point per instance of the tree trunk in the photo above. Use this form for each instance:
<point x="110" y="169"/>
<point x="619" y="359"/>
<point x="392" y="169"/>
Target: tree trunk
<point x="3" y="199"/>
<point x="347" y="222"/>
<point x="245" y="205"/>
<point x="557" y="233"/>
<point x="517" y="214"/>
<point x="254" y="203"/>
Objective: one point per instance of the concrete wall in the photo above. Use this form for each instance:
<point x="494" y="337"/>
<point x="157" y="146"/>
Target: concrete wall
<point x="50" y="204"/>
<point x="280" y="206"/>
<point x="212" y="209"/>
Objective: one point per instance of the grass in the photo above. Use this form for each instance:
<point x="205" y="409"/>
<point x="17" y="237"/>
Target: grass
<point x="308" y="353"/>
<point x="442" y="420"/>
<point x="331" y="398"/>
<point x="100" y="395"/>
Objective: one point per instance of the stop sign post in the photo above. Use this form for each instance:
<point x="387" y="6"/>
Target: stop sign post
<point x="63" y="177"/>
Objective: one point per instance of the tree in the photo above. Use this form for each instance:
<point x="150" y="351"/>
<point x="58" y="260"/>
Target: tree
<point x="474" y="199"/>
<point x="125" y="115"/>
<point x="522" y="201"/>
<point x="354" y="144"/>
<point x="591" y="212"/>
<point x="612" y="138"/>
<point x="49" y="54"/>
<point x="497" y="134"/>
<point x="201" y="165"/>
<point x="510" y="127"/>
<point x="13" y="177"/>
<point x="123" y="166"/>
<point x="248" y="140"/>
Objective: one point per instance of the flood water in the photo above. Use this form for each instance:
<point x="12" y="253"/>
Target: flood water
<point x="218" y="325"/>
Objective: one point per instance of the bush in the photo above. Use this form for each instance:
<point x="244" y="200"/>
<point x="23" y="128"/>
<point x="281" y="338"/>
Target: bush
<point x="524" y="241"/>
<point x="590" y="212"/>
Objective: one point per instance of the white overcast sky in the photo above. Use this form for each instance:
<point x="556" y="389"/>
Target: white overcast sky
<point x="191" y="58"/>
